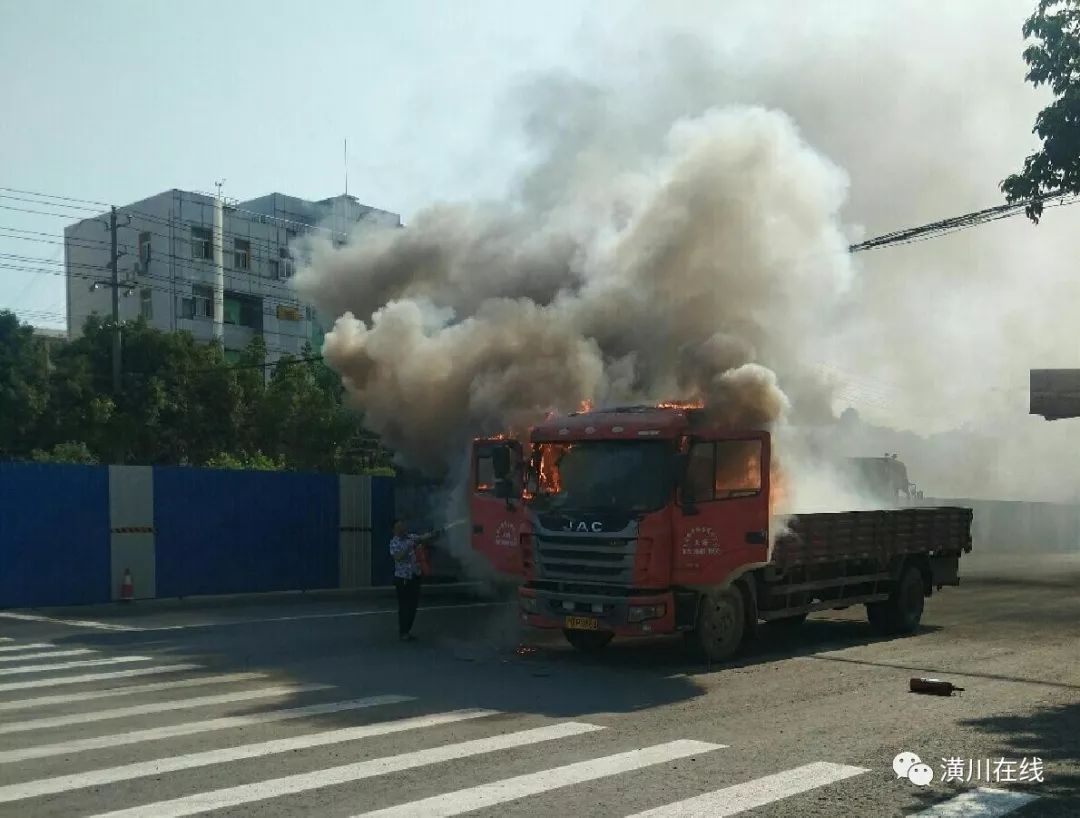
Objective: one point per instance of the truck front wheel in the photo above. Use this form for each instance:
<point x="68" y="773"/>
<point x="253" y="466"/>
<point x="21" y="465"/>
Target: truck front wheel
<point x="721" y="624"/>
<point x="588" y="641"/>
<point x="903" y="610"/>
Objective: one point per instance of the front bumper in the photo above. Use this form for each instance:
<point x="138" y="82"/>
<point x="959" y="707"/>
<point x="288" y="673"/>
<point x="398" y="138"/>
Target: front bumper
<point x="654" y="613"/>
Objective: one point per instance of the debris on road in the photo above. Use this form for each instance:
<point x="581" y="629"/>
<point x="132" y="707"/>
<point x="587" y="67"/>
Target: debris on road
<point x="933" y="687"/>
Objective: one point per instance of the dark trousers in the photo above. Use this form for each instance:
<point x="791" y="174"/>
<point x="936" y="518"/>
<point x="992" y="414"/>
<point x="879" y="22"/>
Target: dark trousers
<point x="408" y="598"/>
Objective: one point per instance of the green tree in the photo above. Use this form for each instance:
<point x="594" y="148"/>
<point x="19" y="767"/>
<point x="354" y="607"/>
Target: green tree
<point x="1054" y="60"/>
<point x="24" y="385"/>
<point x="256" y="462"/>
<point x="68" y="452"/>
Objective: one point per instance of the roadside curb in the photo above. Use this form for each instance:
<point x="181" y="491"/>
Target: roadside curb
<point x="471" y="590"/>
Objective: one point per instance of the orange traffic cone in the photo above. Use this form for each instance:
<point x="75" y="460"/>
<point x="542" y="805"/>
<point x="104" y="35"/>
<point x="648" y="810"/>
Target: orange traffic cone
<point x="127" y="587"/>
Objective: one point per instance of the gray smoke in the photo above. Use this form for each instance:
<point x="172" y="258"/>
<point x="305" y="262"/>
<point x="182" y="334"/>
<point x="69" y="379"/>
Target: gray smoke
<point x="699" y="271"/>
<point x="678" y="232"/>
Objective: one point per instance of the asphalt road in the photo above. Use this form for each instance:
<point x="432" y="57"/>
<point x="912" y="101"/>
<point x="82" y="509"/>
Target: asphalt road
<point x="312" y="707"/>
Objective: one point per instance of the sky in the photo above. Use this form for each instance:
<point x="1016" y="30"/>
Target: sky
<point x="923" y="105"/>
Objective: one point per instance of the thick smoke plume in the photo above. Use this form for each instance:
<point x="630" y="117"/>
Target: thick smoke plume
<point x="703" y="270"/>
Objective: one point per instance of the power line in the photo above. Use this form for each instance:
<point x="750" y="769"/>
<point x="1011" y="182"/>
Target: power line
<point x="955" y="223"/>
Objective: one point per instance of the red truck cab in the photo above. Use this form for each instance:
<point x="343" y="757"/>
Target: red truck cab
<point x="643" y="520"/>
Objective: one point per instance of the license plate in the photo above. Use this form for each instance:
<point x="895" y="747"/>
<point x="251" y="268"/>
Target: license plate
<point x="582" y="623"/>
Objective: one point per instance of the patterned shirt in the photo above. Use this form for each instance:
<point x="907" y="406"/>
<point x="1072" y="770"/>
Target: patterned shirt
<point x="403" y="550"/>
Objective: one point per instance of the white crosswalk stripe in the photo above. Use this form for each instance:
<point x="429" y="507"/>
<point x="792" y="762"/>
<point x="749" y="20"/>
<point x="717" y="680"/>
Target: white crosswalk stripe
<point x="277" y="691"/>
<point x="27" y="646"/>
<point x="983" y="802"/>
<point x="129" y="690"/>
<point x="46" y="654"/>
<point x="193" y="727"/>
<point x="111" y="660"/>
<point x="521" y="786"/>
<point x="757" y="793"/>
<point x="68" y="776"/>
<point x="95" y="677"/>
<point x="304" y="782"/>
<point x="96" y="778"/>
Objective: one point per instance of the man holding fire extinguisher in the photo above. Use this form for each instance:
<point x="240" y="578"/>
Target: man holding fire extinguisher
<point x="410" y="564"/>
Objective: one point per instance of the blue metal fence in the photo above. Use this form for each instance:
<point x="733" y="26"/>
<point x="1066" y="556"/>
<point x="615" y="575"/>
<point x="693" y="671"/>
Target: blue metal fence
<point x="212" y="532"/>
<point x="225" y="532"/>
<point x="382" y="521"/>
<point x="54" y="534"/>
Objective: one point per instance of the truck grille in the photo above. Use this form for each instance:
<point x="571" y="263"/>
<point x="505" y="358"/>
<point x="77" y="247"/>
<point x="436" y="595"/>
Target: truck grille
<point x="585" y="558"/>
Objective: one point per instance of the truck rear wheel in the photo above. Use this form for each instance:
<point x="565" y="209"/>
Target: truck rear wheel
<point x="903" y="610"/>
<point x="721" y="624"/>
<point x="588" y="641"/>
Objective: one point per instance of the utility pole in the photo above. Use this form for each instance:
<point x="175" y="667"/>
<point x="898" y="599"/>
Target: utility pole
<point x="114" y="265"/>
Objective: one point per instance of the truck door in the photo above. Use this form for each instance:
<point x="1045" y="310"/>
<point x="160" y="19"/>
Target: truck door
<point x="495" y="504"/>
<point x="722" y="519"/>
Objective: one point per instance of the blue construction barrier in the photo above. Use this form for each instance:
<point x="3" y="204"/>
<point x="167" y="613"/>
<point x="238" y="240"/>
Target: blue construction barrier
<point x="54" y="534"/>
<point x="382" y="523"/>
<point x="227" y="532"/>
<point x="183" y="531"/>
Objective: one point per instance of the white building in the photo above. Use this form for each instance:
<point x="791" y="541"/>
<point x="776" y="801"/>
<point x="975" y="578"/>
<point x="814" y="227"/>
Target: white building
<point x="190" y="261"/>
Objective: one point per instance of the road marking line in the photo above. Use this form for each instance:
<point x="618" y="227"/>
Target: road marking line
<point x="983" y="802"/>
<point x="112" y="660"/>
<point x="299" y="617"/>
<point x="48" y="654"/>
<point x="521" y="786"/>
<point x="191" y="727"/>
<point x="304" y="782"/>
<point x="27" y="646"/>
<point x="125" y="690"/>
<point x="158" y="707"/>
<point x="96" y="677"/>
<point x="72" y="623"/>
<point x="757" y="793"/>
<point x="126" y="772"/>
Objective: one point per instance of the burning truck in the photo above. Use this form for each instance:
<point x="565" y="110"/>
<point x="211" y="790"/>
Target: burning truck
<point x="659" y="520"/>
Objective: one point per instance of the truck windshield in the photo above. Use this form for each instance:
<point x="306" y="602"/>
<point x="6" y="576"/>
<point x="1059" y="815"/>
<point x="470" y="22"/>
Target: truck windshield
<point x="628" y="475"/>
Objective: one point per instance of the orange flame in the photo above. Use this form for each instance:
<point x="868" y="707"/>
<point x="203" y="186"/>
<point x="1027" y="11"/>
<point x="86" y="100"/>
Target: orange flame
<point x="696" y="403"/>
<point x="778" y="493"/>
<point x="586" y="405"/>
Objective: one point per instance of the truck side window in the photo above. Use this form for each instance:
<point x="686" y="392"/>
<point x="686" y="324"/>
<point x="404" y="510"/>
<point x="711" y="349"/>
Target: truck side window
<point x="698" y="486"/>
<point x="485" y="473"/>
<point x="738" y="468"/>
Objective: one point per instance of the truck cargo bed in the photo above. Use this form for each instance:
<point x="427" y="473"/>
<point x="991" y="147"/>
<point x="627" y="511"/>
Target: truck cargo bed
<point x="805" y="539"/>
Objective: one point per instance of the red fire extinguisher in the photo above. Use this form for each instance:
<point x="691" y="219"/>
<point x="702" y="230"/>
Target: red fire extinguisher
<point x="423" y="552"/>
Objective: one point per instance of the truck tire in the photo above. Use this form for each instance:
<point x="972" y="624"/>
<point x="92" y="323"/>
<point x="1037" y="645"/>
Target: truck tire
<point x="588" y="641"/>
<point x="787" y="623"/>
<point x="903" y="610"/>
<point x="721" y="624"/>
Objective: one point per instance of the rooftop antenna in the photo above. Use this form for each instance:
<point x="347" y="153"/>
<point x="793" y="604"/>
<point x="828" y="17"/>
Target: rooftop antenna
<point x="219" y="184"/>
<point x="346" y="166"/>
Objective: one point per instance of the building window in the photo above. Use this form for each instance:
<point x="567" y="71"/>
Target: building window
<point x="243" y="310"/>
<point x="146" y="303"/>
<point x="202" y="243"/>
<point x="144" y="252"/>
<point x="288" y="266"/>
<point x="274" y="268"/>
<point x="203" y="298"/>
<point x="241" y="254"/>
